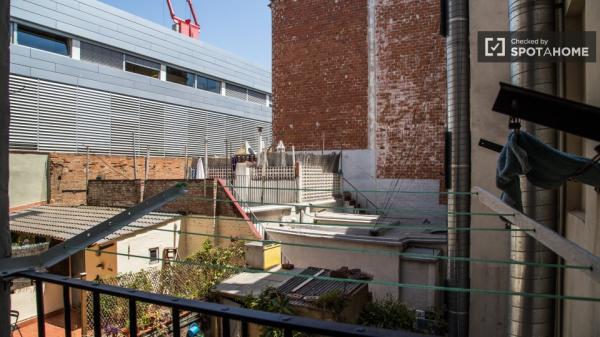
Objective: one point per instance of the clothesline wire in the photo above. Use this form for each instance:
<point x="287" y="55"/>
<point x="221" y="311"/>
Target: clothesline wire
<point x="369" y="251"/>
<point x="374" y="282"/>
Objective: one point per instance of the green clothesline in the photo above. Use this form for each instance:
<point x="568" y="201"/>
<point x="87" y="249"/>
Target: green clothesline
<point x="374" y="282"/>
<point x="374" y="251"/>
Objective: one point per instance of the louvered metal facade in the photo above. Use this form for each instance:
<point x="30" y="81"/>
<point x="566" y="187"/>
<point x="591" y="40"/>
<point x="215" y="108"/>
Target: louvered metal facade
<point x="49" y="116"/>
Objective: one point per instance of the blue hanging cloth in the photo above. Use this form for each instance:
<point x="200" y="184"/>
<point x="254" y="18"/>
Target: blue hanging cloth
<point x="544" y="167"/>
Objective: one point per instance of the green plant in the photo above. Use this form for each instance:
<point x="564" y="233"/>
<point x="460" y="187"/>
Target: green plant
<point x="334" y="301"/>
<point x="388" y="314"/>
<point x="190" y="278"/>
<point x="271" y="300"/>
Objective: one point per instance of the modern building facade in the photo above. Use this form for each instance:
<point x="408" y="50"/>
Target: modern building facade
<point x="87" y="75"/>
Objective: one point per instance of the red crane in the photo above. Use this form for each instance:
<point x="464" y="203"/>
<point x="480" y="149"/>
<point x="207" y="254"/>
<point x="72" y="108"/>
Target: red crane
<point x="185" y="27"/>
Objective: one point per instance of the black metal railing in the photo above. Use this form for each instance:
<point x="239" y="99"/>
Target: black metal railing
<point x="289" y="324"/>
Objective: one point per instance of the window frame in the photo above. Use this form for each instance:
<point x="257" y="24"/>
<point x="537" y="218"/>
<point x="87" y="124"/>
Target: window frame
<point x="169" y="67"/>
<point x="135" y="64"/>
<point x="219" y="82"/>
<point x="154" y="260"/>
<point x="42" y="33"/>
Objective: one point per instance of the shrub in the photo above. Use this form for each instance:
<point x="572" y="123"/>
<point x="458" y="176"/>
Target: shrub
<point x="388" y="314"/>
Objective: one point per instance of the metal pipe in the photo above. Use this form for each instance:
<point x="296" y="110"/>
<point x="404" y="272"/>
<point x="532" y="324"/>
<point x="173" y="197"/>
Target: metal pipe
<point x="458" y="86"/>
<point x="533" y="317"/>
<point x="5" y="241"/>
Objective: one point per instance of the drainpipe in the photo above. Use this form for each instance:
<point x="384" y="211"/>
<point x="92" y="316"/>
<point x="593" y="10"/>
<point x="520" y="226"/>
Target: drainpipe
<point x="458" y="86"/>
<point x="533" y="316"/>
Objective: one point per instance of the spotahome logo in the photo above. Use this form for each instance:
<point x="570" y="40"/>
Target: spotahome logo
<point x="536" y="46"/>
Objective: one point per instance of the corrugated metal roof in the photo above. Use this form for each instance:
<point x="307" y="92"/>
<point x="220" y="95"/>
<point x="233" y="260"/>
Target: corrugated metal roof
<point x="64" y="222"/>
<point x="304" y="287"/>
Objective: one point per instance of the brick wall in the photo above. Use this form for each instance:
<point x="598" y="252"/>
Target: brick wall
<point x="320" y="73"/>
<point x="199" y="198"/>
<point x="411" y="90"/>
<point x="114" y="193"/>
<point x="67" y="173"/>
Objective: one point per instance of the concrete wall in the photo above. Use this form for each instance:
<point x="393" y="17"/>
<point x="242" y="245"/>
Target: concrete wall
<point x="139" y="244"/>
<point x="383" y="267"/>
<point x="28" y="183"/>
<point x="24" y="301"/>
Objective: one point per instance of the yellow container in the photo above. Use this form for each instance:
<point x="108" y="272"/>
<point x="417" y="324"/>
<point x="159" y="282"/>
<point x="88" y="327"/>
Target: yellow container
<point x="262" y="256"/>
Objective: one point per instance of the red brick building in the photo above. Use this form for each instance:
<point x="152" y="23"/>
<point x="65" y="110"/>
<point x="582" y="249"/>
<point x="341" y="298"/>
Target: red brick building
<point x="365" y="76"/>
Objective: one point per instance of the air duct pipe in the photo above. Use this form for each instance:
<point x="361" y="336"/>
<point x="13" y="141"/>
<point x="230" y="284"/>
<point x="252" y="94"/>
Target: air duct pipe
<point x="458" y="86"/>
<point x="533" y="317"/>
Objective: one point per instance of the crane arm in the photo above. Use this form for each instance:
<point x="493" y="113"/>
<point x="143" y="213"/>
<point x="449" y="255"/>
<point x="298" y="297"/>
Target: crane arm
<point x="192" y="11"/>
<point x="172" y="12"/>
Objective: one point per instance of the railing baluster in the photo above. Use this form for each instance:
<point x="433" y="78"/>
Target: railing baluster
<point x="39" y="300"/>
<point x="67" y="309"/>
<point x="245" y="329"/>
<point x="132" y="318"/>
<point x="225" y="322"/>
<point x="176" y="323"/>
<point x="96" y="313"/>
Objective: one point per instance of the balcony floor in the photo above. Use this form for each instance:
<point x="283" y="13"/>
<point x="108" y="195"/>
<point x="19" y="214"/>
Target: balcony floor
<point x="54" y="326"/>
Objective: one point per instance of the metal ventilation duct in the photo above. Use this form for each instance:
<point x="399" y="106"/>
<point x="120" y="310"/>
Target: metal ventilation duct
<point x="458" y="77"/>
<point x="531" y="317"/>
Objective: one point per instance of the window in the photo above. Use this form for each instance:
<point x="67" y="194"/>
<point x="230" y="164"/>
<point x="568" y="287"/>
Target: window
<point x="257" y="97"/>
<point x="232" y="90"/>
<point x="141" y="66"/>
<point x="179" y="76"/>
<point x="153" y="255"/>
<point x="42" y="40"/>
<point x="100" y="55"/>
<point x="209" y="84"/>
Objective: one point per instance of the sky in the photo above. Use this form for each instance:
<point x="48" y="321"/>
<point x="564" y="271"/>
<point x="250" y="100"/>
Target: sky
<point x="242" y="27"/>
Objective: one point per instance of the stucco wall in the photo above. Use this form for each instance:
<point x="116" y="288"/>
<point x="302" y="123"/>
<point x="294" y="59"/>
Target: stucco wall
<point x="139" y="245"/>
<point x="223" y="227"/>
<point x="383" y="267"/>
<point x="28" y="182"/>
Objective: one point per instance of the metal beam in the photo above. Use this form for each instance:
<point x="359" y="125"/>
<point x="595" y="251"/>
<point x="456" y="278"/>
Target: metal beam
<point x="90" y="236"/>
<point x="568" y="250"/>
<point x="548" y="110"/>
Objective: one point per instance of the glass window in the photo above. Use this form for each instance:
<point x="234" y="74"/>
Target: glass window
<point x="179" y="76"/>
<point x="154" y="255"/>
<point x="42" y="40"/>
<point x="138" y="69"/>
<point x="209" y="84"/>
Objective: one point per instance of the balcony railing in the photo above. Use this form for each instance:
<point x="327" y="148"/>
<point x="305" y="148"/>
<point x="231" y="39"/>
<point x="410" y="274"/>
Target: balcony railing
<point x="289" y="324"/>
